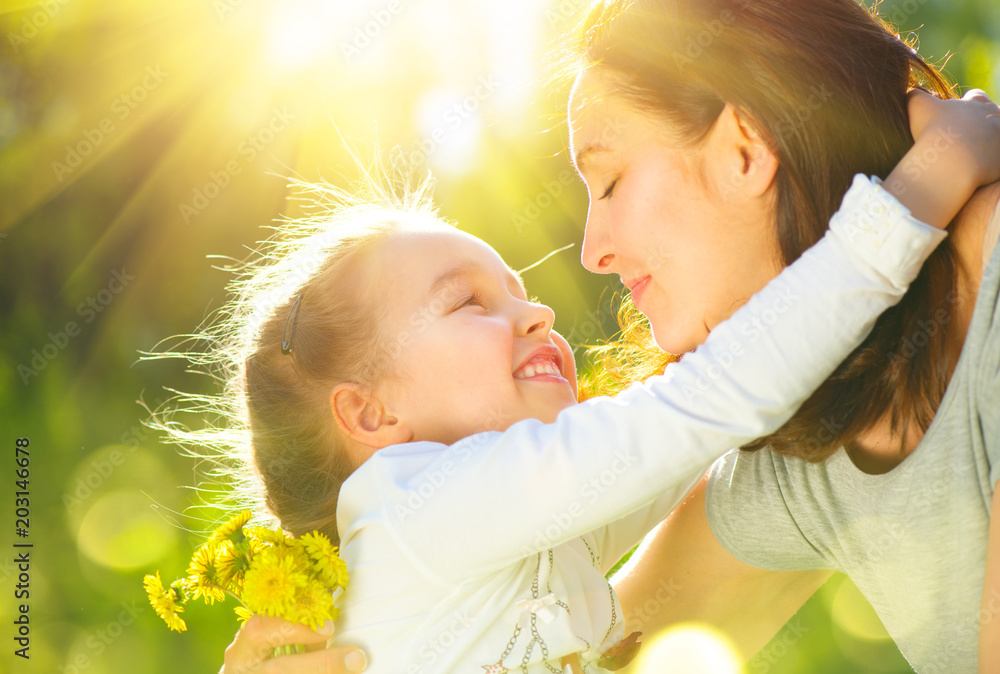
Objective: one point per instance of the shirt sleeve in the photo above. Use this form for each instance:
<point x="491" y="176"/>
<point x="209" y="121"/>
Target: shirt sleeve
<point x="617" y="538"/>
<point x="494" y="498"/>
<point x="749" y="515"/>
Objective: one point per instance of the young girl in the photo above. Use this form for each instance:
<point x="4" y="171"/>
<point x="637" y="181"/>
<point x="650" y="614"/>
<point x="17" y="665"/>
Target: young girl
<point x="403" y="395"/>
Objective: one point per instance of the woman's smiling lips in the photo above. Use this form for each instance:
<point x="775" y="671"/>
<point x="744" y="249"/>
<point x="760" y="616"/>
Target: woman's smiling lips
<point x="637" y="286"/>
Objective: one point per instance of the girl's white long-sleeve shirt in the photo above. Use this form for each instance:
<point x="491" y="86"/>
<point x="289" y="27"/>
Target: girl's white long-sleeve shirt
<point x="489" y="555"/>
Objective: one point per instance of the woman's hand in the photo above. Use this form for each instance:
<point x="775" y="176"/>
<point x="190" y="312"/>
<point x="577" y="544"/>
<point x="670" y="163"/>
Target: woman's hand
<point x="252" y="649"/>
<point x="957" y="150"/>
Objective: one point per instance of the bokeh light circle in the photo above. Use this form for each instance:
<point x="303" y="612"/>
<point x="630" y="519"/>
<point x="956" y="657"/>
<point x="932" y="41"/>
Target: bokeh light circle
<point x="691" y="648"/>
<point x="120" y="531"/>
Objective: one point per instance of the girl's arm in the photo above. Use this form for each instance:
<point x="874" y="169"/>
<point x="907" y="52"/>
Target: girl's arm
<point x="704" y="579"/>
<point x="497" y="497"/>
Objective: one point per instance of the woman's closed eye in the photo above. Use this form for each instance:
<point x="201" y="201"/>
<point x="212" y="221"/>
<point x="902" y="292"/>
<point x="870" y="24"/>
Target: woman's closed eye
<point x="610" y="189"/>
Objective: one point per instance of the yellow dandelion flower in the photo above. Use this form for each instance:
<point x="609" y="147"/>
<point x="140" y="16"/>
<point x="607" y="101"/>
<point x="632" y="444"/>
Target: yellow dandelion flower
<point x="243" y="614"/>
<point x="269" y="586"/>
<point x="234" y="524"/>
<point x="227" y="563"/>
<point x="313" y="606"/>
<point x="327" y="562"/>
<point x="166" y="602"/>
<point x="203" y="574"/>
<point x="265" y="535"/>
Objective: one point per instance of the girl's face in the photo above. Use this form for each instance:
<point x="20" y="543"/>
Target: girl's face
<point x="469" y="352"/>
<point x="675" y="223"/>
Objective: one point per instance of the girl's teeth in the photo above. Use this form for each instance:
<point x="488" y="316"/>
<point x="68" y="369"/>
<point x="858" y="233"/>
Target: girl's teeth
<point x="541" y="368"/>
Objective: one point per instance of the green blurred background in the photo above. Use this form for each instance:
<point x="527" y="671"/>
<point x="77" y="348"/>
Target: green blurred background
<point x="137" y="138"/>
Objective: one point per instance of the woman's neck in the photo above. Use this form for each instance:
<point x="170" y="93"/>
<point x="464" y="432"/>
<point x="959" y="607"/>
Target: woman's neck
<point x="878" y="450"/>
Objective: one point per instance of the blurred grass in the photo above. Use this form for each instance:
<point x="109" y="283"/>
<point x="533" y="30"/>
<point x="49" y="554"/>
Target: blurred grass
<point x="139" y="137"/>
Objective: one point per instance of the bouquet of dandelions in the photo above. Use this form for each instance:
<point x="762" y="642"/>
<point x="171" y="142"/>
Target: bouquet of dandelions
<point x="265" y="570"/>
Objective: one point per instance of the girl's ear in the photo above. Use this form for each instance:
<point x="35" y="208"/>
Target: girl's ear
<point x="362" y="418"/>
<point x="744" y="163"/>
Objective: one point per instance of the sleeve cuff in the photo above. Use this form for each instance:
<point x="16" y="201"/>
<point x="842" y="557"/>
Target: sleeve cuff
<point x="882" y="231"/>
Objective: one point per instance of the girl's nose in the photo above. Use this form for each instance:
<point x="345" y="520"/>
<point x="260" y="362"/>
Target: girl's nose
<point x="534" y="318"/>
<point x="596" y="254"/>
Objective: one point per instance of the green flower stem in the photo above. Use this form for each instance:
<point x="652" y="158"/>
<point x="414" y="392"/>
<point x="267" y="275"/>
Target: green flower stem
<point x="289" y="649"/>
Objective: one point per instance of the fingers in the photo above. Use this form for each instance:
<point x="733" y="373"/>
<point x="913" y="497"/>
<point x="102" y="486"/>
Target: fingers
<point x="976" y="95"/>
<point x="257" y="639"/>
<point x="922" y="108"/>
<point x="927" y="111"/>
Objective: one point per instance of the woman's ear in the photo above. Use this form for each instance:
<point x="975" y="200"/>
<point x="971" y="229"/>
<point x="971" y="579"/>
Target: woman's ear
<point x="363" y="419"/>
<point x="743" y="163"/>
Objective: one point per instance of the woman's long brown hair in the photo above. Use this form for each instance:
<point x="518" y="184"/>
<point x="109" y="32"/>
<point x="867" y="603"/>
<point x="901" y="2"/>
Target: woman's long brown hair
<point x="825" y="83"/>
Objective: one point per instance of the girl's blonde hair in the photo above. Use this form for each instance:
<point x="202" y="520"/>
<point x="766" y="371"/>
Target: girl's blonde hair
<point x="273" y="442"/>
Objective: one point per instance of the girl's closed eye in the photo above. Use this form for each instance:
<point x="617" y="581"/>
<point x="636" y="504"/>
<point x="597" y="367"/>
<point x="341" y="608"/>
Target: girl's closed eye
<point x="475" y="299"/>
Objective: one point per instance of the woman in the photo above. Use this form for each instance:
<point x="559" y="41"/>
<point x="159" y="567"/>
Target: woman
<point x="743" y="124"/>
<point x="761" y="132"/>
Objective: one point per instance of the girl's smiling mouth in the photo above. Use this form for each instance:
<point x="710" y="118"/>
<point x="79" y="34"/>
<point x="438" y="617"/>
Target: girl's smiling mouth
<point x="545" y="361"/>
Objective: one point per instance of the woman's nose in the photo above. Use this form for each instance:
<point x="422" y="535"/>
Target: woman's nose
<point x="596" y="254"/>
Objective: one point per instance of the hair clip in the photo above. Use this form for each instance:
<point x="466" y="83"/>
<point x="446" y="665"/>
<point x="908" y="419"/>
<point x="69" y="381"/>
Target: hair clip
<point x="293" y="314"/>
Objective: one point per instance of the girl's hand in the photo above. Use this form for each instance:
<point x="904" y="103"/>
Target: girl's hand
<point x="957" y="150"/>
<point x="971" y="123"/>
<point x="252" y="650"/>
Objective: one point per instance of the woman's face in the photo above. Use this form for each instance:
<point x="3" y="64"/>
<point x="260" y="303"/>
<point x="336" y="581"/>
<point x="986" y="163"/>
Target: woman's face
<point x="690" y="231"/>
